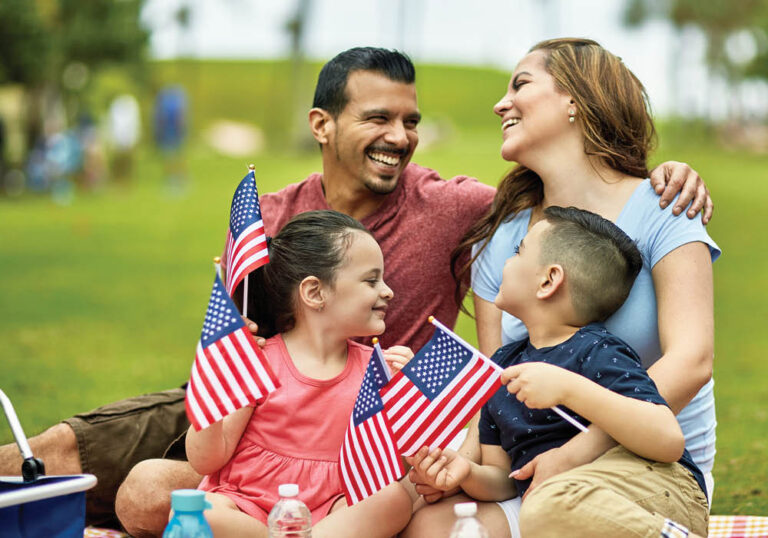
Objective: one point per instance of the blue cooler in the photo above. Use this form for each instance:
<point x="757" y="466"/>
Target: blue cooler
<point x="37" y="506"/>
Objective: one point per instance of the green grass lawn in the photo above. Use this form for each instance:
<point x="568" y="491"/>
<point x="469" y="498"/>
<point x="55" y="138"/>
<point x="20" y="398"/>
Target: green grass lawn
<point x="105" y="298"/>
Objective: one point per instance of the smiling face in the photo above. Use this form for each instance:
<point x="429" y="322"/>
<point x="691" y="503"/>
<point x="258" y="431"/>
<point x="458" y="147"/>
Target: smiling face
<point x="534" y="113"/>
<point x="358" y="299"/>
<point x="374" y="136"/>
<point x="522" y="273"/>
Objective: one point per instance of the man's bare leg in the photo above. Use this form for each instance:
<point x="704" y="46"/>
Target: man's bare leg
<point x="56" y="446"/>
<point x="144" y="499"/>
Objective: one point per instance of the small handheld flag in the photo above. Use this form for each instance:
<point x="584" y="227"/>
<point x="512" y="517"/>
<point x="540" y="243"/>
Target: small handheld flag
<point x="230" y="370"/>
<point x="246" y="247"/>
<point x="556" y="409"/>
<point x="369" y="459"/>
<point x="438" y="391"/>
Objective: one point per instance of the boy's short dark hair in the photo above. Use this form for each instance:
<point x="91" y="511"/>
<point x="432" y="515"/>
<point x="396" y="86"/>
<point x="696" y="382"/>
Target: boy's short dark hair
<point x="600" y="261"/>
<point x="330" y="92"/>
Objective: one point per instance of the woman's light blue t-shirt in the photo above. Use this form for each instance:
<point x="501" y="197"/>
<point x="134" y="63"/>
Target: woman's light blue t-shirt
<point x="657" y="232"/>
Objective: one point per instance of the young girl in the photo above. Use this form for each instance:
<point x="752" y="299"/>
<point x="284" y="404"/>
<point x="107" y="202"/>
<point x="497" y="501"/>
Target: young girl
<point x="323" y="285"/>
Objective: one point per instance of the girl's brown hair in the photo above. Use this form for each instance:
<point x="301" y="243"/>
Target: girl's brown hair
<point x="613" y="114"/>
<point x="314" y="243"/>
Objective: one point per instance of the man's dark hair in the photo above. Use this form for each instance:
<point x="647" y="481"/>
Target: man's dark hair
<point x="600" y="261"/>
<point x="330" y="92"/>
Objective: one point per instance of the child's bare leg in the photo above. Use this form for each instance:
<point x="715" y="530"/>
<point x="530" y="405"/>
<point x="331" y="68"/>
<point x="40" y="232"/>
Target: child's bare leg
<point x="226" y="519"/>
<point x="435" y="520"/>
<point x="383" y="514"/>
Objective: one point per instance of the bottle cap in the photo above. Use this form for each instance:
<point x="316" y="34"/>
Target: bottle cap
<point x="188" y="500"/>
<point x="288" y="490"/>
<point x="465" y="509"/>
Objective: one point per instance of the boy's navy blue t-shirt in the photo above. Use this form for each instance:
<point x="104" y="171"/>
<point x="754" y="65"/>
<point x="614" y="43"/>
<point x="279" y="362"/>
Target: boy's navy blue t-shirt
<point x="593" y="352"/>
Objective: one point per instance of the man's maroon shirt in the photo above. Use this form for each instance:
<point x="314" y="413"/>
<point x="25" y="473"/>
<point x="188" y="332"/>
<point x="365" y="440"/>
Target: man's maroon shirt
<point x="417" y="227"/>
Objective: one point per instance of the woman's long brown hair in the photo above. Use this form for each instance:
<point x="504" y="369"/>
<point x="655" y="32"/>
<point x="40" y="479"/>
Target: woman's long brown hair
<point x="614" y="116"/>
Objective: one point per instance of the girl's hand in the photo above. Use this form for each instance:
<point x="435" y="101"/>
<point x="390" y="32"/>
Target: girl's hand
<point x="396" y="357"/>
<point x="441" y="469"/>
<point x="253" y="328"/>
<point x="539" y="385"/>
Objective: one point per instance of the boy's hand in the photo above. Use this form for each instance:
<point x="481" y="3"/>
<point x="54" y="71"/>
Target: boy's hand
<point x="544" y="466"/>
<point x="396" y="357"/>
<point x="253" y="329"/>
<point x="441" y="469"/>
<point x="537" y="384"/>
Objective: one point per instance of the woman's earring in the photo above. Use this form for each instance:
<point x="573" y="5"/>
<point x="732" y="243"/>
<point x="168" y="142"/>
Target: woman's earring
<point x="571" y="115"/>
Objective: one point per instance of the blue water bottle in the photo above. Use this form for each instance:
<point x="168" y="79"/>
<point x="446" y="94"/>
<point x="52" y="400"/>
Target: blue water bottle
<point x="188" y="520"/>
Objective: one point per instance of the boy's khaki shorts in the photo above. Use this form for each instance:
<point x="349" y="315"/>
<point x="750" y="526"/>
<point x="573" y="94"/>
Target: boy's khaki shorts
<point x="113" y="438"/>
<point x="619" y="494"/>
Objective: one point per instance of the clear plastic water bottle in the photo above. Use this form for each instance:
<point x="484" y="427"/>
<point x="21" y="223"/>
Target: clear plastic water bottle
<point x="467" y="526"/>
<point x="188" y="520"/>
<point x="289" y="518"/>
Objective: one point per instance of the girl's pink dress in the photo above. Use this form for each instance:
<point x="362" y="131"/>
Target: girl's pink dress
<point x="294" y="436"/>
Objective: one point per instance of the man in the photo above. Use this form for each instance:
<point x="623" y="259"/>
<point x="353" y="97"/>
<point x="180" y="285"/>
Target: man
<point x="365" y="118"/>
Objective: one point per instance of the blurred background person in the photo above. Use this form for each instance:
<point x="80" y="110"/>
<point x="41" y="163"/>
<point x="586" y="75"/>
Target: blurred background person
<point x="124" y="129"/>
<point x="170" y="128"/>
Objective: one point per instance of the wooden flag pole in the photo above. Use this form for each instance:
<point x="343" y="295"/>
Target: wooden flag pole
<point x="556" y="409"/>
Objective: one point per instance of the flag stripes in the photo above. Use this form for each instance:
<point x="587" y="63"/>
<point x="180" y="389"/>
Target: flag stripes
<point x="416" y="421"/>
<point x="246" y="253"/>
<point x="369" y="459"/>
<point x="246" y="246"/>
<point x="424" y="404"/>
<point x="230" y="370"/>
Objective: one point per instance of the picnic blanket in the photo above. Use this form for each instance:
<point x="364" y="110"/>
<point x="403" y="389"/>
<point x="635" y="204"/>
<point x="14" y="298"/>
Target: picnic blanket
<point x="719" y="527"/>
<point x="94" y="532"/>
<point x="738" y="527"/>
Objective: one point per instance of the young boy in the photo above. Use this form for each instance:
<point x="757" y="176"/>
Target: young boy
<point x="646" y="486"/>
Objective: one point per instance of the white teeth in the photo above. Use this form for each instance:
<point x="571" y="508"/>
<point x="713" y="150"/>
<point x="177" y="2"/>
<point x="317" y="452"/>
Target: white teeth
<point x="385" y="159"/>
<point x="510" y="122"/>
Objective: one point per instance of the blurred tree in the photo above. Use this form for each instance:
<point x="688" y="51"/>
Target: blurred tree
<point x="759" y="66"/>
<point x="42" y="40"/>
<point x="99" y="32"/>
<point x="296" y="27"/>
<point x="736" y="33"/>
<point x="24" y="42"/>
<point x="718" y="20"/>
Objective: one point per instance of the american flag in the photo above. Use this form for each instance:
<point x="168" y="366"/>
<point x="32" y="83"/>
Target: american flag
<point x="246" y="247"/>
<point x="438" y="392"/>
<point x="230" y="370"/>
<point x="369" y="460"/>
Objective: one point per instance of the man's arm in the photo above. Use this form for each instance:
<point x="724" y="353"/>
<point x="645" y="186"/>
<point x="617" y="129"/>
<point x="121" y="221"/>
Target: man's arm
<point x="672" y="177"/>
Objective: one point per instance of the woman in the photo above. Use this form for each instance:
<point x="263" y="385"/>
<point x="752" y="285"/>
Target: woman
<point x="577" y="122"/>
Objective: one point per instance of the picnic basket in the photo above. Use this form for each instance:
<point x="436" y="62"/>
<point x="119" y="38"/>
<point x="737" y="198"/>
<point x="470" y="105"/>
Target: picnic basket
<point x="34" y="505"/>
